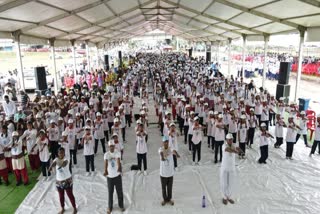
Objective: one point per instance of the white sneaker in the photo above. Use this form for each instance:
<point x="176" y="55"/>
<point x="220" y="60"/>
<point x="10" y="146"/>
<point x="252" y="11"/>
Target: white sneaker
<point x="199" y="163"/>
<point x="145" y="173"/>
<point x="190" y="153"/>
<point x="88" y="174"/>
<point x="176" y="169"/>
<point x="193" y="163"/>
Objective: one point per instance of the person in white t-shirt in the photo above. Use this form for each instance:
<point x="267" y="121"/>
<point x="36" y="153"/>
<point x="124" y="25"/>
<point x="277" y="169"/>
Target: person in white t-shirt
<point x="141" y="148"/>
<point x="166" y="171"/>
<point x="219" y="138"/>
<point x="279" y="130"/>
<point x="53" y="136"/>
<point x="44" y="155"/>
<point x="291" y="136"/>
<point x="243" y="135"/>
<point x="173" y="143"/>
<point x="196" y="141"/>
<point x="264" y="143"/>
<point x="99" y="133"/>
<point x="316" y="141"/>
<point x="113" y="170"/>
<point x="64" y="181"/>
<point x="228" y="170"/>
<point x="88" y="150"/>
<point x="65" y="144"/>
<point x="303" y="120"/>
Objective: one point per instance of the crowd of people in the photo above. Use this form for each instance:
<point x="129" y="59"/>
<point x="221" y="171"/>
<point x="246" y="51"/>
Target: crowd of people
<point x="192" y="107"/>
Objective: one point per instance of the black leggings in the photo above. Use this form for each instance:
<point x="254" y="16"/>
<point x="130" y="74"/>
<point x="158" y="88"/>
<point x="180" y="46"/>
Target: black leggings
<point x="103" y="144"/>
<point x="186" y="129"/>
<point x="142" y="157"/>
<point x="128" y="119"/>
<point x="89" y="162"/>
<point x="190" y="141"/>
<point x="250" y="136"/>
<point x="218" y="148"/>
<point x="304" y="137"/>
<point x="279" y="141"/>
<point x="272" y="117"/>
<point x="45" y="167"/>
<point x="196" y="150"/>
<point x="242" y="146"/>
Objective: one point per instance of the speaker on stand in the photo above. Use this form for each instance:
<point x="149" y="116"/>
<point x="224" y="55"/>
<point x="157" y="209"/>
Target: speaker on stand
<point x="283" y="87"/>
<point x="190" y="52"/>
<point x="106" y="62"/>
<point x="41" y="80"/>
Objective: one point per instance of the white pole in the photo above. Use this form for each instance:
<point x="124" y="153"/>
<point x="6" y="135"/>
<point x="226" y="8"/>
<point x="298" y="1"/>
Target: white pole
<point x="19" y="60"/>
<point x="97" y="52"/>
<point x="88" y="56"/>
<point x="302" y="32"/>
<point x="266" y="40"/>
<point x="74" y="61"/>
<point x="178" y="48"/>
<point x="229" y="56"/>
<point x="218" y="51"/>
<point x="53" y="54"/>
<point x="243" y="52"/>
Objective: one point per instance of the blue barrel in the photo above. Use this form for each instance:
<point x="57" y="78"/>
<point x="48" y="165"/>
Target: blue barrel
<point x="303" y="104"/>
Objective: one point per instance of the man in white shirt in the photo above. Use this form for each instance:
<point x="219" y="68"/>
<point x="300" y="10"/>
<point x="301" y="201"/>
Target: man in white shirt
<point x="264" y="142"/>
<point x="316" y="141"/>
<point x="113" y="169"/>
<point x="303" y="120"/>
<point x="227" y="171"/>
<point x="166" y="171"/>
<point x="9" y="107"/>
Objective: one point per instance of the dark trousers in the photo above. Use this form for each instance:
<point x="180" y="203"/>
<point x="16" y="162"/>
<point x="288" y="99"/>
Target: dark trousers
<point x="73" y="156"/>
<point x="234" y="135"/>
<point x="250" y="136"/>
<point x="180" y="121"/>
<point x="264" y="154"/>
<point x="128" y="119"/>
<point x="190" y="142"/>
<point x="44" y="168"/>
<point x="110" y="124"/>
<point x="272" y="117"/>
<point x="103" y="144"/>
<point x="242" y="146"/>
<point x="115" y="183"/>
<point x="175" y="161"/>
<point x="166" y="184"/>
<point x="89" y="162"/>
<point x="259" y="118"/>
<point x="209" y="141"/>
<point x="161" y="128"/>
<point x="78" y="143"/>
<point x="142" y="157"/>
<point x="70" y="196"/>
<point x="54" y="146"/>
<point x="106" y="135"/>
<point x="289" y="150"/>
<point x="186" y="129"/>
<point x="124" y="133"/>
<point x="314" y="146"/>
<point x="213" y="142"/>
<point x="304" y="137"/>
<point x="196" y="149"/>
<point x="218" y="148"/>
<point x="279" y="141"/>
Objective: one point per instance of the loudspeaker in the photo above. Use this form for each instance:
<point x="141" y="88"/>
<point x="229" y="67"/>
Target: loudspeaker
<point x="168" y="41"/>
<point x="190" y="52"/>
<point x="283" y="91"/>
<point x="106" y="62"/>
<point x="208" y="57"/>
<point x="41" y="79"/>
<point x="120" y="59"/>
<point x="284" y="72"/>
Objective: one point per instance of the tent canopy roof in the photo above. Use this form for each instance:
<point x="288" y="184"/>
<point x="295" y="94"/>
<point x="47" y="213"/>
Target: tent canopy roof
<point x="102" y="21"/>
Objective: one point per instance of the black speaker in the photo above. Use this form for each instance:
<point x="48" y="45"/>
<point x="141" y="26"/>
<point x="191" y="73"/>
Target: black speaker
<point x="120" y="58"/>
<point x="168" y="41"/>
<point x="190" y="52"/>
<point x="284" y="72"/>
<point x="41" y="79"/>
<point x="283" y="91"/>
<point x="106" y="62"/>
<point x="208" y="57"/>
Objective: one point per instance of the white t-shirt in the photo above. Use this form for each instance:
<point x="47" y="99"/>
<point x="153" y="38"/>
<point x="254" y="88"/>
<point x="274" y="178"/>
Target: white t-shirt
<point x="197" y="135"/>
<point x="279" y="129"/>
<point x="141" y="146"/>
<point x="53" y="133"/>
<point x="303" y="126"/>
<point x="242" y="132"/>
<point x="62" y="173"/>
<point x="71" y="137"/>
<point x="228" y="160"/>
<point x="173" y="141"/>
<point x="112" y="163"/>
<point x="65" y="145"/>
<point x="44" y="154"/>
<point x="166" y="166"/>
<point x="317" y="133"/>
<point x="219" y="133"/>
<point x="88" y="146"/>
<point x="264" y="140"/>
<point x="291" y="134"/>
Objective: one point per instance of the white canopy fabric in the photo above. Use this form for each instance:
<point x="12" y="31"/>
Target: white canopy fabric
<point x="105" y="21"/>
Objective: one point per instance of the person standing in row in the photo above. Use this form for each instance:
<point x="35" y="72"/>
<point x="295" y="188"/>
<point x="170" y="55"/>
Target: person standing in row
<point x="279" y="131"/>
<point x="173" y="143"/>
<point x="18" y="162"/>
<point x="53" y="137"/>
<point x="166" y="171"/>
<point x="72" y="132"/>
<point x="196" y="141"/>
<point x="219" y="138"/>
<point x="291" y="137"/>
<point x="99" y="134"/>
<point x="264" y="143"/>
<point x="242" y="135"/>
<point x="88" y="150"/>
<point x="303" y="120"/>
<point x="228" y="170"/>
<point x="64" y="181"/>
<point x="113" y="170"/>
<point x="316" y="141"/>
<point x="141" y="148"/>
<point x="44" y="155"/>
<point x="253" y="122"/>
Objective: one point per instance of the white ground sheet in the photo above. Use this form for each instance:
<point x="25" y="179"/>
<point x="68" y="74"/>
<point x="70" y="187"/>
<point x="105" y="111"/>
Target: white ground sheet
<point x="279" y="187"/>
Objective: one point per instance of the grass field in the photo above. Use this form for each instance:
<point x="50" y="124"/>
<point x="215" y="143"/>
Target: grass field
<point x="11" y="196"/>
